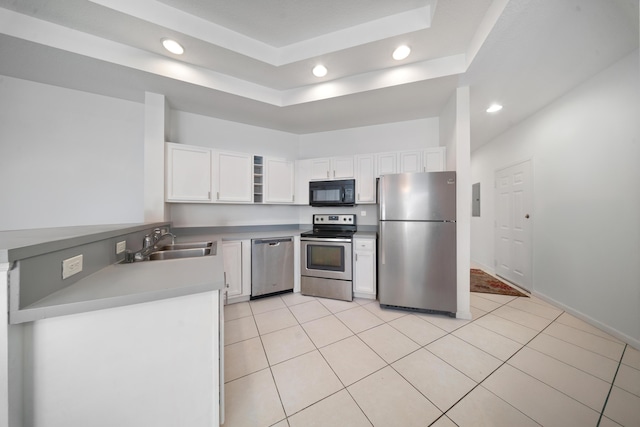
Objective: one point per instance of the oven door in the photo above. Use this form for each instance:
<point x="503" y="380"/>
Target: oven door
<point x="325" y="257"/>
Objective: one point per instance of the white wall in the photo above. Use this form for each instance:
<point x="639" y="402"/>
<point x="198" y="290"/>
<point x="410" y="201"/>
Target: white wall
<point x="194" y="129"/>
<point x="454" y="135"/>
<point x="586" y="220"/>
<point x="156" y="117"/>
<point x="448" y="132"/>
<point x="68" y="157"/>
<point x="398" y="136"/>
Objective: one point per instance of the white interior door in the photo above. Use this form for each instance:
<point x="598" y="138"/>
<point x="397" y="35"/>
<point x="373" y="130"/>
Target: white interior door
<point x="513" y="224"/>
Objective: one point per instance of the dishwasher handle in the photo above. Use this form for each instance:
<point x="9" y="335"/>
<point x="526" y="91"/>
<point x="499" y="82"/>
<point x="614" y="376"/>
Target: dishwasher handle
<point x="272" y="242"/>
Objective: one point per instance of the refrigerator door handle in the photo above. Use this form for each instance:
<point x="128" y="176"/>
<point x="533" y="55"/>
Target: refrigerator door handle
<point x="381" y="247"/>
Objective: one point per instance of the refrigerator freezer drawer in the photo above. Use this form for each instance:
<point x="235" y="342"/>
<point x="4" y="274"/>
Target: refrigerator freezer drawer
<point x="417" y="265"/>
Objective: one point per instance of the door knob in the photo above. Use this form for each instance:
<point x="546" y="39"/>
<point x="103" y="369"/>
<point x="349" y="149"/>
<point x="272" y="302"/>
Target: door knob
<point x="527" y="216"/>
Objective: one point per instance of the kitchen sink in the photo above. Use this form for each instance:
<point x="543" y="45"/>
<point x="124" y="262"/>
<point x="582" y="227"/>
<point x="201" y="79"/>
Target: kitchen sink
<point x="186" y="245"/>
<point x="173" y="251"/>
<point x="181" y="253"/>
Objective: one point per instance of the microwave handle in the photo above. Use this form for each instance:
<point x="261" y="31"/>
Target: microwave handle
<point x="342" y="194"/>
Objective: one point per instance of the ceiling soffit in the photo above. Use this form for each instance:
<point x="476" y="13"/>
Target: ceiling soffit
<point x="194" y="26"/>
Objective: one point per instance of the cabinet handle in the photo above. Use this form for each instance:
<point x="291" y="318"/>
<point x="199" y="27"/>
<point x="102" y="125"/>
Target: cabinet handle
<point x="327" y="174"/>
<point x="356" y="257"/>
<point x="334" y="173"/>
<point x="358" y="196"/>
<point x="217" y="195"/>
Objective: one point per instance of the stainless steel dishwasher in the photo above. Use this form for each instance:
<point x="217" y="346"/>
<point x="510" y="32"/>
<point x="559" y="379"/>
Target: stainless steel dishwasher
<point x="271" y="266"/>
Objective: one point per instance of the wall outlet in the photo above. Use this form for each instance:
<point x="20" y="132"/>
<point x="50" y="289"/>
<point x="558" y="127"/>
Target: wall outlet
<point x="121" y="247"/>
<point x="363" y="213"/>
<point x="71" y="266"/>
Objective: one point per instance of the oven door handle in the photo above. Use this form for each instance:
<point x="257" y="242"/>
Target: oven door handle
<point x="323" y="239"/>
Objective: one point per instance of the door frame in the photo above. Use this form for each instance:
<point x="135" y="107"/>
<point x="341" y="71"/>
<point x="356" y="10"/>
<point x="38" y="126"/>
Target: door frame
<point x="531" y="200"/>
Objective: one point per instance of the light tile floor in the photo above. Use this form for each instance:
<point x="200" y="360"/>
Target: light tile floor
<point x="293" y="360"/>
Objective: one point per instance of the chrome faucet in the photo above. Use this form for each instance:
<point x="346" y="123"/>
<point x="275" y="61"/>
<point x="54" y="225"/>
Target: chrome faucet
<point x="152" y="239"/>
<point x="149" y="244"/>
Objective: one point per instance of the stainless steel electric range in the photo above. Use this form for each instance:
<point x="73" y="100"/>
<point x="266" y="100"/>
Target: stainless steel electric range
<point x="326" y="257"/>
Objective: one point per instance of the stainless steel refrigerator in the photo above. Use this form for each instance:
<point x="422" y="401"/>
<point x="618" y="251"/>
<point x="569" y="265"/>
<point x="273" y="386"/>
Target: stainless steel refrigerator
<point x="417" y="245"/>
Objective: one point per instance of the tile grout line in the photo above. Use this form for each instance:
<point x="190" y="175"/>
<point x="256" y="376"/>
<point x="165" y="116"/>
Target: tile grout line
<point x="273" y="378"/>
<point x="559" y="391"/>
<point x="316" y="348"/>
<point x="492" y="372"/>
<point x="444" y="413"/>
<point x="606" y="400"/>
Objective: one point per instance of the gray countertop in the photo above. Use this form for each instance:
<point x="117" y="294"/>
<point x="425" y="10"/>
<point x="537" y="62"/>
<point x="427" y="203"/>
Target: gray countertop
<point x="366" y="234"/>
<point x="125" y="284"/>
<point x="20" y="244"/>
<point x="122" y="284"/>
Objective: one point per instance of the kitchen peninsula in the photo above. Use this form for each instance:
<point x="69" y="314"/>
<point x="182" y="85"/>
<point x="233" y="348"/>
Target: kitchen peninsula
<point x="121" y="344"/>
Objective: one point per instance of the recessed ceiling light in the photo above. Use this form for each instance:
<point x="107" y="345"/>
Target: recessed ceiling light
<point x="173" y="46"/>
<point x="401" y="52"/>
<point x="319" y="71"/>
<point x="494" y="108"/>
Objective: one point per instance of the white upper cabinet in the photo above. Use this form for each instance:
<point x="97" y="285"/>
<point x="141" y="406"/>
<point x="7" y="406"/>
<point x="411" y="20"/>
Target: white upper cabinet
<point x="434" y="159"/>
<point x="343" y="167"/>
<point x="279" y="181"/>
<point x="386" y="163"/>
<point x="410" y="161"/>
<point x="204" y="175"/>
<point x="332" y="168"/>
<point x="188" y="173"/>
<point x="234" y="176"/>
<point x="303" y="175"/>
<point x="320" y="169"/>
<point x="428" y="160"/>
<point x="365" y="179"/>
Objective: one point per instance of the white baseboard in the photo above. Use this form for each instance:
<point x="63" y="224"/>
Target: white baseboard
<point x="633" y="342"/>
<point x="481" y="266"/>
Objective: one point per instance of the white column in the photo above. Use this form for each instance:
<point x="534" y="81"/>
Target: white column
<point x="10" y="359"/>
<point x="463" y="206"/>
<point x="155" y="125"/>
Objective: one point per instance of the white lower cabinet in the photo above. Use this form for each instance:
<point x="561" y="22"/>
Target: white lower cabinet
<point x="364" y="267"/>
<point x="237" y="269"/>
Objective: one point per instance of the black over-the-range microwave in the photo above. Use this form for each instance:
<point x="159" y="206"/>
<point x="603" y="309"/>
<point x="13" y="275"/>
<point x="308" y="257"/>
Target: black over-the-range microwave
<point x="332" y="193"/>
